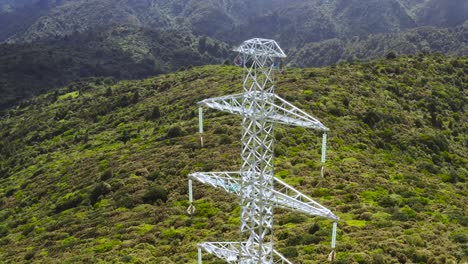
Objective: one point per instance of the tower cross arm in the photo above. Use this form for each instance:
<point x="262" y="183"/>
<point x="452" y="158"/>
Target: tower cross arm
<point x="230" y="103"/>
<point x="288" y="114"/>
<point x="230" y="252"/>
<point x="289" y="198"/>
<point x="281" y="111"/>
<point x="229" y="181"/>
<point x="261" y="47"/>
<point x="284" y="196"/>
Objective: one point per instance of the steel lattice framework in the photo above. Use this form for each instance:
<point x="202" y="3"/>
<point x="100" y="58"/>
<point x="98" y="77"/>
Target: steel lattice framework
<point x="260" y="192"/>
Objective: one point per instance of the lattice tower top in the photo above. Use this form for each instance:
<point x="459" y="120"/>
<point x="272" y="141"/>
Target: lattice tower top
<point x="261" y="47"/>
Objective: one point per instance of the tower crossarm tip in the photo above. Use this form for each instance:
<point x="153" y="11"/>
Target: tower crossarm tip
<point x="228" y="251"/>
<point x="288" y="114"/>
<point x="289" y="198"/>
<point x="230" y="103"/>
<point x="229" y="181"/>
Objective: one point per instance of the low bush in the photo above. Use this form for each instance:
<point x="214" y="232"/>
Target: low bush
<point x="30" y="255"/>
<point x="106" y="175"/>
<point x="224" y="139"/>
<point x="290" y="252"/>
<point x="314" y="228"/>
<point x="461" y="238"/>
<point x="155" y="193"/>
<point x="174" y="131"/>
<point x="154" y="175"/>
<point x="28" y="229"/>
<point x="100" y="189"/>
<point x="68" y="201"/>
<point x="125" y="201"/>
<point x="3" y="231"/>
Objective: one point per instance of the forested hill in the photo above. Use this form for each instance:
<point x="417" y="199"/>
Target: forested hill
<point x="448" y="41"/>
<point x="49" y="43"/>
<point x="294" y="22"/>
<point x="97" y="171"/>
<point x="123" y="52"/>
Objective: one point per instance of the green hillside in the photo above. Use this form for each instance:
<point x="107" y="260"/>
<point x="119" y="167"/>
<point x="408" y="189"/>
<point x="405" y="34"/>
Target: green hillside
<point x="97" y="171"/>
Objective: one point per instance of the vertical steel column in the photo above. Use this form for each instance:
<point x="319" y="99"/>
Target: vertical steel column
<point x="257" y="167"/>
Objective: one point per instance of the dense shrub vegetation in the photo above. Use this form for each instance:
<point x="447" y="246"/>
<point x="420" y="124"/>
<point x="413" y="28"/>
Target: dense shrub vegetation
<point x="87" y="176"/>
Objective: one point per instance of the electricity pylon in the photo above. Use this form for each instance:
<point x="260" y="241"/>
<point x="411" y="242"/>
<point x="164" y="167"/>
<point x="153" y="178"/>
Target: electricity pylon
<point x="260" y="192"/>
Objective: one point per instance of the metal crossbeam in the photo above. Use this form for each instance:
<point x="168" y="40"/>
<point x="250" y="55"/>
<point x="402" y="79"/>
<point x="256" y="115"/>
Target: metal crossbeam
<point x="290" y="198"/>
<point x="284" y="195"/>
<point x="261" y="47"/>
<point x="281" y="112"/>
<point x="230" y="252"/>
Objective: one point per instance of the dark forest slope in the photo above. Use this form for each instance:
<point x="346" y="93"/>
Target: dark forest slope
<point x="123" y="52"/>
<point x="98" y="170"/>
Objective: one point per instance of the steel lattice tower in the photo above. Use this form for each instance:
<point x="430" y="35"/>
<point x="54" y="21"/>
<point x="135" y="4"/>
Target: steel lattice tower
<point x="260" y="108"/>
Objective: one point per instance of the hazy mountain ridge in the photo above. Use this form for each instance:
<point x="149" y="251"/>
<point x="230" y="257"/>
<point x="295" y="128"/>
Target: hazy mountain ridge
<point x="83" y="16"/>
<point x="452" y="42"/>
<point x="226" y="20"/>
<point x="97" y="171"/>
<point x="17" y="17"/>
<point x="443" y="13"/>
